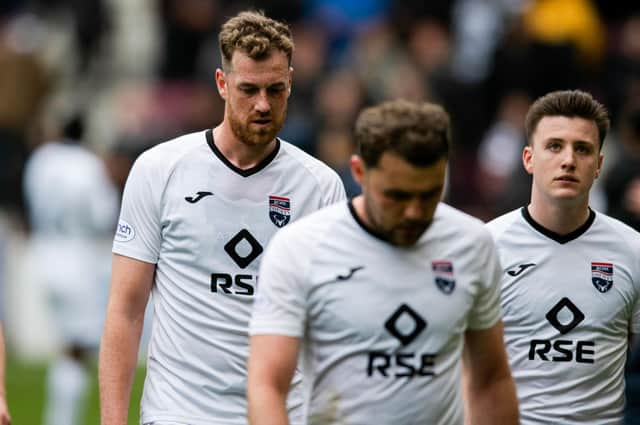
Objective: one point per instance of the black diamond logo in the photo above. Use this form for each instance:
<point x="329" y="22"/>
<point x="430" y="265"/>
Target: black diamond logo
<point x="552" y="315"/>
<point x="256" y="248"/>
<point x="419" y="322"/>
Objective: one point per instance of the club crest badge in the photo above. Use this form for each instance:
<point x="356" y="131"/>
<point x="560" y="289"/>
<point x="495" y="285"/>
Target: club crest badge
<point x="602" y="276"/>
<point x="279" y="210"/>
<point x="443" y="275"/>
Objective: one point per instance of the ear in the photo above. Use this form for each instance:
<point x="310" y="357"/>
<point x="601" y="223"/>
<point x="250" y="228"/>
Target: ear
<point x="290" y="80"/>
<point x="527" y="159"/>
<point x="600" y="159"/>
<point x="221" y="83"/>
<point x="358" y="168"/>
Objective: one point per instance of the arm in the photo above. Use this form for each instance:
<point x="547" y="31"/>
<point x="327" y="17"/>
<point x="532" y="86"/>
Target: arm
<point x="490" y="395"/>
<point x="5" y="419"/>
<point x="131" y="282"/>
<point x="272" y="362"/>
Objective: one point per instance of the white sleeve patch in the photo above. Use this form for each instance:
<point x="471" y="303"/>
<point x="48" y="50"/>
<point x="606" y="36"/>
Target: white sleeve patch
<point x="125" y="232"/>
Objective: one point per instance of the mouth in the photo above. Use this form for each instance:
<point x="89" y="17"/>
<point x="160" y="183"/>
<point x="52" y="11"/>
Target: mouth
<point x="413" y="228"/>
<point x="262" y="122"/>
<point x="567" y="179"/>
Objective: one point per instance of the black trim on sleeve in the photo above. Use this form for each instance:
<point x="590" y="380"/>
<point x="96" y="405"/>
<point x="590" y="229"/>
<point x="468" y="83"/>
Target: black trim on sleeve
<point x="561" y="239"/>
<point x="249" y="171"/>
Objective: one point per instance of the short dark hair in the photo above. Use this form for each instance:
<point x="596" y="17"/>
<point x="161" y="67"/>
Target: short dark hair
<point x="418" y="132"/>
<point x="570" y="104"/>
<point x="256" y="35"/>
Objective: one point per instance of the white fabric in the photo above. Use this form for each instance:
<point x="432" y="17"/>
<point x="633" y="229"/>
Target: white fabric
<point x="202" y="297"/>
<point x="579" y="377"/>
<point x="73" y="208"/>
<point x="67" y="382"/>
<point x="342" y="290"/>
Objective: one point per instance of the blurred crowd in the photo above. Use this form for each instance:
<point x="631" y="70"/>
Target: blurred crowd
<point x="141" y="72"/>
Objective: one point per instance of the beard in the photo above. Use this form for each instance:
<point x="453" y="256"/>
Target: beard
<point x="256" y="136"/>
<point x="404" y="233"/>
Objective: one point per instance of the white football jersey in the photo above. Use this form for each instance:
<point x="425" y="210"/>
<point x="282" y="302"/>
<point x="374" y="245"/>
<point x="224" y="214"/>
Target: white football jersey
<point x="205" y="223"/>
<point x="382" y="326"/>
<point x="73" y="208"/>
<point x="69" y="193"/>
<point x="569" y="304"/>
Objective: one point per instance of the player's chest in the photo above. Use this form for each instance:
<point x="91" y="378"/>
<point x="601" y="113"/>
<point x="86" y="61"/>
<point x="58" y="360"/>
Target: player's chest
<point x="395" y="299"/>
<point x="210" y="218"/>
<point x="564" y="291"/>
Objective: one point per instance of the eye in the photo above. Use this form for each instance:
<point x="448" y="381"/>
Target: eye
<point x="554" y="146"/>
<point x="427" y="196"/>
<point x="584" y="149"/>
<point x="249" y="91"/>
<point x="276" y="90"/>
<point x="398" y="196"/>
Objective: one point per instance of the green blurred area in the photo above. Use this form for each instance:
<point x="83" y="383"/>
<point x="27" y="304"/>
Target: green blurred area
<point x="26" y="393"/>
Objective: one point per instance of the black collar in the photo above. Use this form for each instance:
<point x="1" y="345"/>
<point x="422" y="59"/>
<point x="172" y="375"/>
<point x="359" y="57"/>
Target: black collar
<point x="249" y="171"/>
<point x="561" y="239"/>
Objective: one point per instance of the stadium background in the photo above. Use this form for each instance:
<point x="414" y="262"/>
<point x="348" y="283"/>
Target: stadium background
<point x="141" y="71"/>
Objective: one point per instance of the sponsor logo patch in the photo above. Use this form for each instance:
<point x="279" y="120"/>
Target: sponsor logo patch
<point x="443" y="275"/>
<point x="279" y="210"/>
<point x="124" y="232"/>
<point x="602" y="276"/>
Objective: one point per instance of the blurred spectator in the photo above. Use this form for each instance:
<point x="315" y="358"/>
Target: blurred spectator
<point x="335" y="148"/>
<point x="188" y="26"/>
<point x="429" y="45"/>
<point x="576" y="22"/>
<point x="374" y="53"/>
<point x="339" y="98"/>
<point x="89" y="22"/>
<point x="622" y="182"/>
<point x="503" y="182"/>
<point x="478" y="26"/>
<point x="622" y="66"/>
<point x="309" y="65"/>
<point x="72" y="209"/>
<point x="342" y="20"/>
<point x="24" y="84"/>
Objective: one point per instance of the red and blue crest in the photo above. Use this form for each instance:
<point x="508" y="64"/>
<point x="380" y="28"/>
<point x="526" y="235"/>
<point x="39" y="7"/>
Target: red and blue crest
<point x="602" y="276"/>
<point x="443" y="275"/>
<point x="279" y="210"/>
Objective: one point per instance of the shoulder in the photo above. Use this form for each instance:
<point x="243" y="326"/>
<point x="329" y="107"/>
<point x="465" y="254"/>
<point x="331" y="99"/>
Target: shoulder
<point x="320" y="171"/>
<point x="619" y="232"/>
<point x="459" y="222"/>
<point x="175" y="149"/>
<point x="313" y="227"/>
<point x="166" y="155"/>
<point x="498" y="226"/>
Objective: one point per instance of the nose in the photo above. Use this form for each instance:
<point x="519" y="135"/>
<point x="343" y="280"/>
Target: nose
<point x="415" y="210"/>
<point x="262" y="102"/>
<point x="569" y="159"/>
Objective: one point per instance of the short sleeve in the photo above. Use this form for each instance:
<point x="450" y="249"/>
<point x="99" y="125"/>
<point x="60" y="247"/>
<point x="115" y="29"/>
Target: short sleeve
<point x="486" y="308"/>
<point x="138" y="233"/>
<point x="280" y="304"/>
<point x="335" y="191"/>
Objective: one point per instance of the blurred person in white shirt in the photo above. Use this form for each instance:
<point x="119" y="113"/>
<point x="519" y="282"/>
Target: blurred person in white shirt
<point x="72" y="210"/>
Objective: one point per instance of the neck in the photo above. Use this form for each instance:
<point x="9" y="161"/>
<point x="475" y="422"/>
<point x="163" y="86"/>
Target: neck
<point x="358" y="206"/>
<point x="240" y="154"/>
<point x="559" y="218"/>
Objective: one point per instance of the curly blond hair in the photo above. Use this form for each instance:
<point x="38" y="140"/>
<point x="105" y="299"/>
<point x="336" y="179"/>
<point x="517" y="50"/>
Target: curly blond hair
<point x="254" y="34"/>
